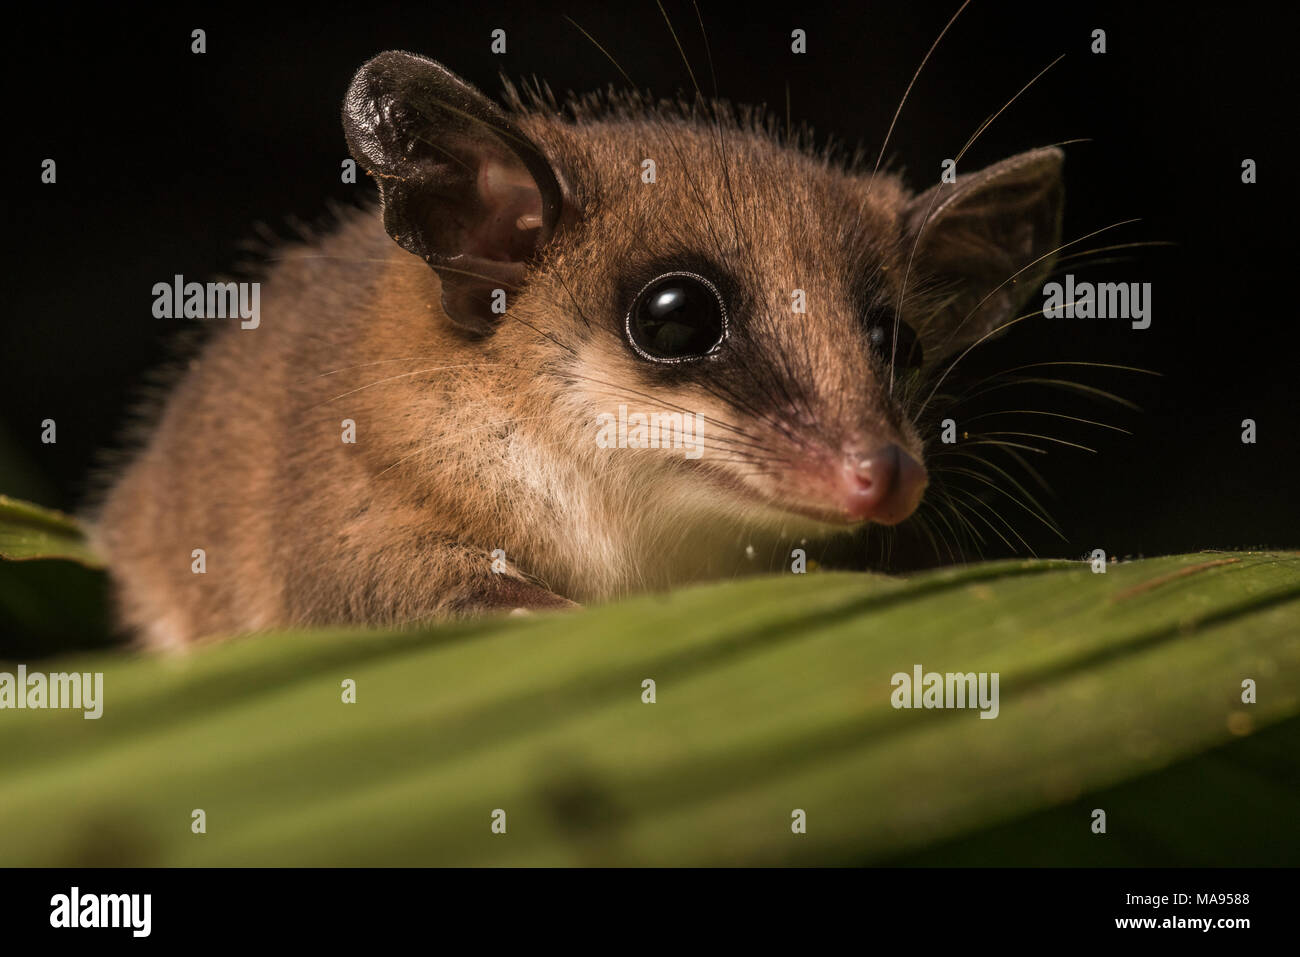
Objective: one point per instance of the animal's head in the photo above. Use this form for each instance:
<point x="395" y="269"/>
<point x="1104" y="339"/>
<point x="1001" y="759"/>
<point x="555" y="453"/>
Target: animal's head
<point x="793" y="305"/>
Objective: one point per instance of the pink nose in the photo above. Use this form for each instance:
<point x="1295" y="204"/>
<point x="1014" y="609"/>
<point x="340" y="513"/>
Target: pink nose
<point x="884" y="485"/>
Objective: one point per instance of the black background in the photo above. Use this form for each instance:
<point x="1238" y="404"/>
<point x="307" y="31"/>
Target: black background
<point x="379" y="906"/>
<point x="168" y="160"/>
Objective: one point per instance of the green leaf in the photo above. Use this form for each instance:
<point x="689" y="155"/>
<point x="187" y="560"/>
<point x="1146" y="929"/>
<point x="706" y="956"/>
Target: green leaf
<point x="772" y="694"/>
<point x="29" y="531"/>
<point x="53" y="590"/>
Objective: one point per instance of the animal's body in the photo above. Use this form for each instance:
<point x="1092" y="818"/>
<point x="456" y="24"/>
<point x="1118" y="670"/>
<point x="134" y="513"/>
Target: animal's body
<point x="476" y="430"/>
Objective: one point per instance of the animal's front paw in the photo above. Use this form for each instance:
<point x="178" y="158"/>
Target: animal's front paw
<point x="552" y="602"/>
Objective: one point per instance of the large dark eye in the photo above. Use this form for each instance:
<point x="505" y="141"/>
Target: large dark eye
<point x="677" y="317"/>
<point x="907" y="354"/>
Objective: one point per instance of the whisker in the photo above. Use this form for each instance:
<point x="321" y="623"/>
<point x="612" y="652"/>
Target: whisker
<point x="1057" y="415"/>
<point x="404" y="375"/>
<point x="902" y="294"/>
<point x="989" y="122"/>
<point x="908" y="92"/>
<point x="977" y="501"/>
<point x="1010" y="445"/>
<point x="1005" y="475"/>
<point x="1061" y="383"/>
<point x="971" y="473"/>
<point x="1008" y="324"/>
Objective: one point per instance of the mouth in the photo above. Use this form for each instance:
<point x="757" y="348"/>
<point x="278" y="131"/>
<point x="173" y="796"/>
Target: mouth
<point x="823" y="515"/>
<point x="884" y="486"/>
<point x="847" y="517"/>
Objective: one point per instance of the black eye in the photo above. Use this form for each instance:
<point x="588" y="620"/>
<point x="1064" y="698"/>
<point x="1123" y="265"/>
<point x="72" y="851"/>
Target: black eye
<point x="677" y="317"/>
<point x="907" y="354"/>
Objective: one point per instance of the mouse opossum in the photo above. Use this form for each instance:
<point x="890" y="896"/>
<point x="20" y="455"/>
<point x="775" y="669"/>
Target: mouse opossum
<point x="740" y="285"/>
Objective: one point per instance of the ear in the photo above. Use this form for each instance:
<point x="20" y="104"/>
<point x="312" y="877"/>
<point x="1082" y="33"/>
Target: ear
<point x="462" y="187"/>
<point x="988" y="241"/>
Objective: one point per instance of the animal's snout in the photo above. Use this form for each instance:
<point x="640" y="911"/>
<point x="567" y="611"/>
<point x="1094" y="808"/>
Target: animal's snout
<point x="882" y="484"/>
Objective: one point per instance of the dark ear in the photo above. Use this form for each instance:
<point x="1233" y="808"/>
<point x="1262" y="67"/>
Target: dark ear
<point x="988" y="242"/>
<point x="462" y="187"/>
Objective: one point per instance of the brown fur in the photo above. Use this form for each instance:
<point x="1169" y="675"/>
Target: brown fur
<point x="465" y="445"/>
